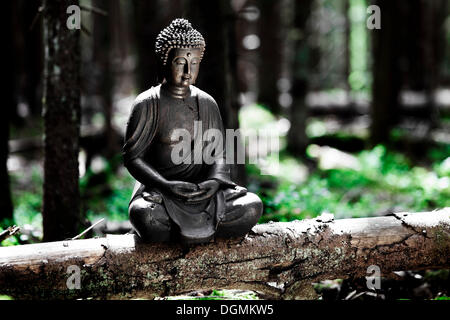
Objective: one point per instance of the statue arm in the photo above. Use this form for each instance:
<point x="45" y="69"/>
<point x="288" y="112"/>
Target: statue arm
<point x="145" y="173"/>
<point x="138" y="168"/>
<point x="148" y="176"/>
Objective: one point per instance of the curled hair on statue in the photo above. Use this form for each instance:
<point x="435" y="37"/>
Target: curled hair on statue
<point x="178" y="35"/>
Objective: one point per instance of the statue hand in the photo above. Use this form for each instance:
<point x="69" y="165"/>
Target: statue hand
<point x="184" y="189"/>
<point x="209" y="187"/>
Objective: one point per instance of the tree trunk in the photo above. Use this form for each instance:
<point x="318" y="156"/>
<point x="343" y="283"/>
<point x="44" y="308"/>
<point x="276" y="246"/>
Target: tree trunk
<point x="297" y="139"/>
<point x="61" y="206"/>
<point x="386" y="71"/>
<point x="6" y="208"/>
<point x="271" y="53"/>
<point x="102" y="34"/>
<point x="280" y="260"/>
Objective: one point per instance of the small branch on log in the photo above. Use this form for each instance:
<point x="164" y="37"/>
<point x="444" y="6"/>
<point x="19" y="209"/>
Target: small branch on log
<point x="88" y="229"/>
<point x="9" y="232"/>
<point x="279" y="260"/>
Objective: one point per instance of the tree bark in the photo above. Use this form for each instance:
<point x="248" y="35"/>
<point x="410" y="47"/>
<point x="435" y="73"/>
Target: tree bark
<point x="61" y="206"/>
<point x="6" y="207"/>
<point x="280" y="260"/>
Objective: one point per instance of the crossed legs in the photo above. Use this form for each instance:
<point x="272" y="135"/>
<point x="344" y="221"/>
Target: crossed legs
<point x="153" y="224"/>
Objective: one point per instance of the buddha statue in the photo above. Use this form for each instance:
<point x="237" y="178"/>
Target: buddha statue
<point x="190" y="202"/>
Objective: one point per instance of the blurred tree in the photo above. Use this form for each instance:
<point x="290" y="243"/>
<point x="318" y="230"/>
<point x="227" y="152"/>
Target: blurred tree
<point x="61" y="205"/>
<point x="216" y="21"/>
<point x="347" y="65"/>
<point x="17" y="47"/>
<point x="297" y="139"/>
<point x="145" y="15"/>
<point x="425" y="38"/>
<point x="105" y="67"/>
<point x="103" y="31"/>
<point x="32" y="55"/>
<point x="150" y="17"/>
<point x="271" y="53"/>
<point x="247" y="13"/>
<point x="28" y="59"/>
<point x="6" y="208"/>
<point x="386" y="45"/>
<point x="407" y="54"/>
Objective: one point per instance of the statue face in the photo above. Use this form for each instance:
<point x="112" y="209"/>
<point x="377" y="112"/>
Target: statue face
<point x="183" y="67"/>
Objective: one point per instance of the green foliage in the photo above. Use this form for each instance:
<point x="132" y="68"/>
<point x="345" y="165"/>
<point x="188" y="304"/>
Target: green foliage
<point x="11" y="241"/>
<point x="27" y="197"/>
<point x="27" y="209"/>
<point x="107" y="199"/>
<point x="386" y="181"/>
<point x="111" y="197"/>
<point x="255" y="117"/>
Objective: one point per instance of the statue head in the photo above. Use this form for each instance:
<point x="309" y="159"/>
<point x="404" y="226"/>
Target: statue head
<point x="180" y="48"/>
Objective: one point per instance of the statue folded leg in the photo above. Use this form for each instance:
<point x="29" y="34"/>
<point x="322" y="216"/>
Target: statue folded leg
<point x="241" y="214"/>
<point x="150" y="220"/>
<point x="153" y="224"/>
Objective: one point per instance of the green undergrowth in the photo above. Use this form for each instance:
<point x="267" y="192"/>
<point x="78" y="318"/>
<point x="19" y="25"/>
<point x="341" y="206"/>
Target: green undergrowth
<point x="385" y="181"/>
<point x="108" y="199"/>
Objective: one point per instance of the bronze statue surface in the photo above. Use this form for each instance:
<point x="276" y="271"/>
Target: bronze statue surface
<point x="191" y="201"/>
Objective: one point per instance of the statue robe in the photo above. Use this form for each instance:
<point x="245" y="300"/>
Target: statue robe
<point x="196" y="221"/>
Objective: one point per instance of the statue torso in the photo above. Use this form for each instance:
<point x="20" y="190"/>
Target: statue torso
<point x="174" y="113"/>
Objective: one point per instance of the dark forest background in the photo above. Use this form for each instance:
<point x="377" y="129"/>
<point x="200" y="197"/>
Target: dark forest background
<point x="363" y="114"/>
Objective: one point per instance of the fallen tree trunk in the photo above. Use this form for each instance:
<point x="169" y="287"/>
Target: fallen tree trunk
<point x="279" y="260"/>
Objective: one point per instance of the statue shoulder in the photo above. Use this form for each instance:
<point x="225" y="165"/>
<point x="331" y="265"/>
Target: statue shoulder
<point x="206" y="97"/>
<point x="141" y="108"/>
<point x="149" y="94"/>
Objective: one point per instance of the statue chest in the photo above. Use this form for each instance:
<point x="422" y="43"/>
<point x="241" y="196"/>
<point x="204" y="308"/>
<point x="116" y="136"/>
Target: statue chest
<point x="176" y="116"/>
